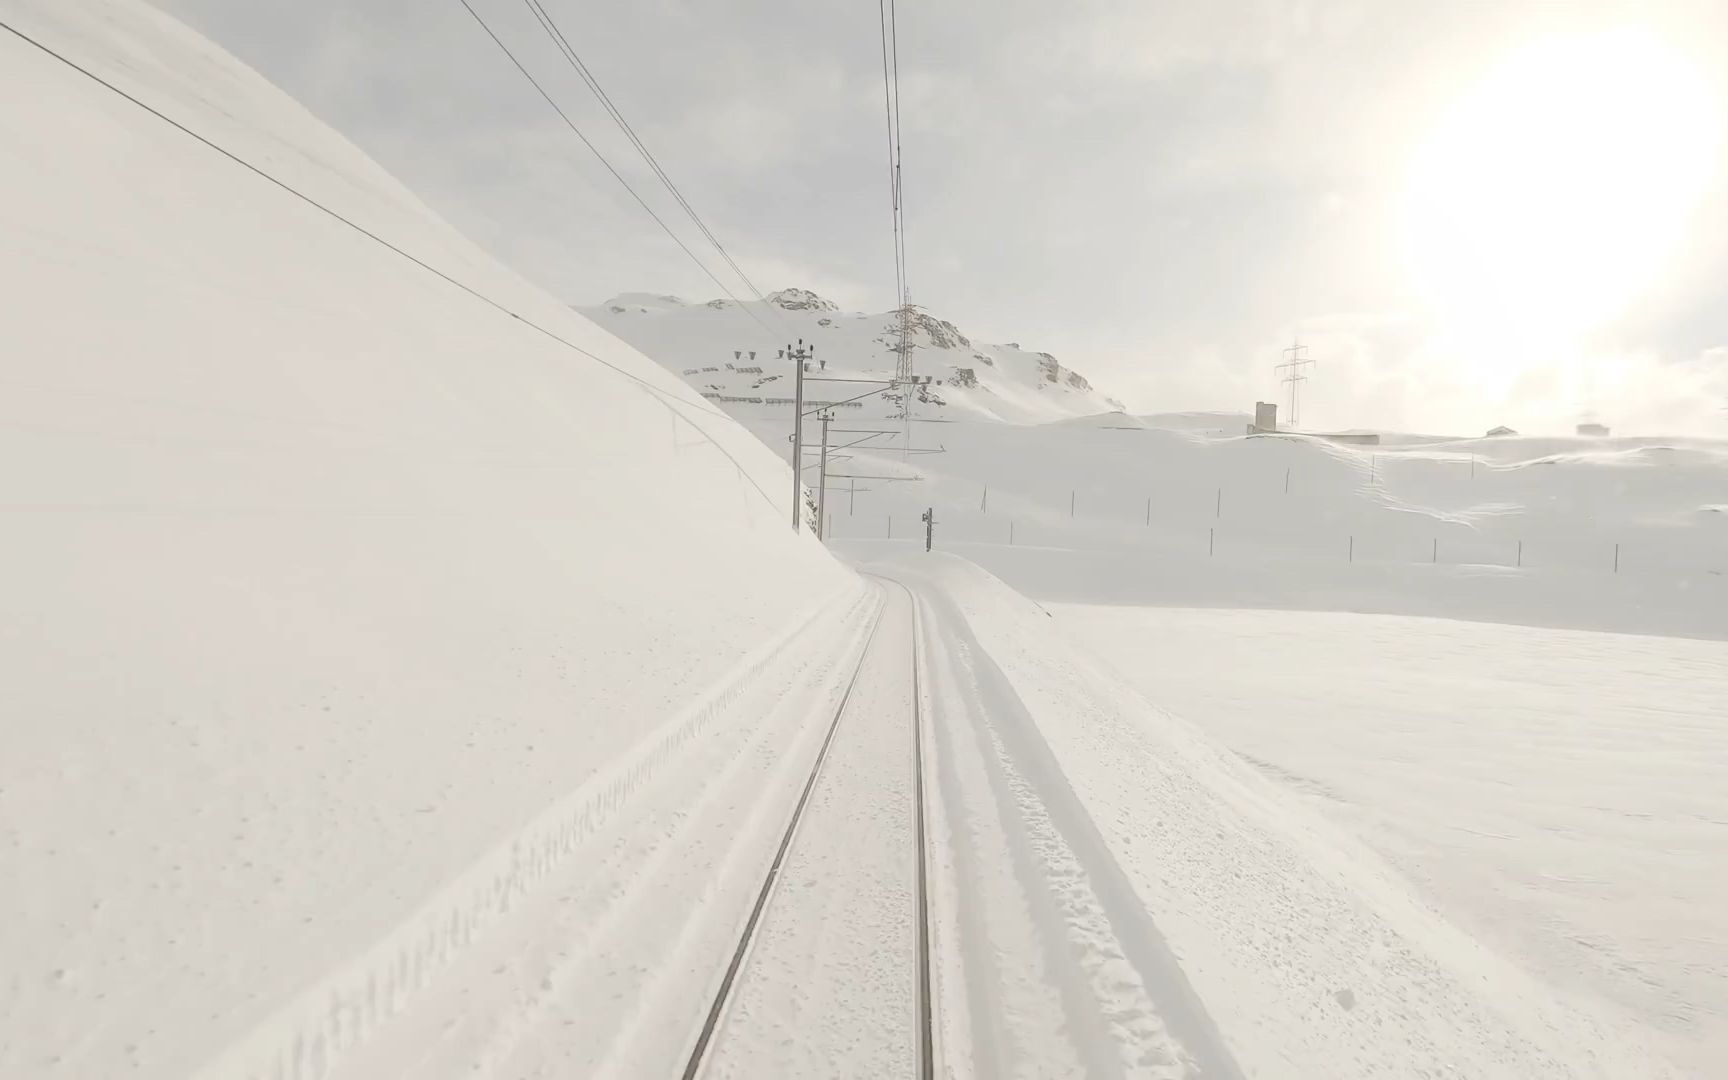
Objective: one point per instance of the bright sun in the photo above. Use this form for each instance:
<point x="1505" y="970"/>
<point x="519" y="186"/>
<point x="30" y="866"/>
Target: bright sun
<point x="1559" y="188"/>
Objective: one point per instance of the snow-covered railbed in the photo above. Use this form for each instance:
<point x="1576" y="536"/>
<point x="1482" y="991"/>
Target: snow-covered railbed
<point x="585" y="944"/>
<point x="830" y="983"/>
<point x="1307" y="953"/>
<point x="1048" y="965"/>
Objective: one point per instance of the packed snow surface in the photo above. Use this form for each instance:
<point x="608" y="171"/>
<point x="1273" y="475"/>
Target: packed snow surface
<point x="1562" y="795"/>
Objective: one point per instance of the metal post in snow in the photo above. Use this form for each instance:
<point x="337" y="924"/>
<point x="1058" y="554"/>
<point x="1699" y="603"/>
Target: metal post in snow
<point x="822" y="486"/>
<point x="1148" y="510"/>
<point x="1436" y="557"/>
<point x="1010" y="534"/>
<point x="1211" y="542"/>
<point x="1352" y="557"/>
<point x="798" y="355"/>
<point x="1218" y="506"/>
<point x="1520" y="553"/>
<point x="1070" y="502"/>
<point x="852" y="497"/>
<point x="984" y="503"/>
<point x="1616" y="558"/>
<point x="1286" y="481"/>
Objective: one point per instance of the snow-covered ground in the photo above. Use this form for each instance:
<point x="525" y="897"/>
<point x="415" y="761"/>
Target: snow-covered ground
<point x="401" y="675"/>
<point x="1309" y="953"/>
<point x="333" y="594"/>
<point x="1621" y="533"/>
<point x="1561" y="795"/>
<point x="1614" y="534"/>
<point x="729" y="351"/>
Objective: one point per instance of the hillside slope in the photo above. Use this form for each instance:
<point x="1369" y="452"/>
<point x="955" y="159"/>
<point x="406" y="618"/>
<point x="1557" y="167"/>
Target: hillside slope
<point x="969" y="379"/>
<point x="1626" y="534"/>
<point x="324" y="576"/>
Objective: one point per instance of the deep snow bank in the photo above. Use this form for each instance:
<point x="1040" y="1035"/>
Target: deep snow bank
<point x="322" y="577"/>
<point x="1312" y="956"/>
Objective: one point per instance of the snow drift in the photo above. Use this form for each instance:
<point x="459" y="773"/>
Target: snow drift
<point x="324" y="576"/>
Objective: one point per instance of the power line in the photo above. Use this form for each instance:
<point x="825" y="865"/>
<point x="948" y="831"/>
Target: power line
<point x="551" y="27"/>
<point x="888" y="18"/>
<point x="891" y="108"/>
<point x="670" y="401"/>
<point x="899" y="176"/>
<point x="616" y="175"/>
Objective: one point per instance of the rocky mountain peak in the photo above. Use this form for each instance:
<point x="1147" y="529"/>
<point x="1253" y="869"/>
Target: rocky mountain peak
<point x="801" y="300"/>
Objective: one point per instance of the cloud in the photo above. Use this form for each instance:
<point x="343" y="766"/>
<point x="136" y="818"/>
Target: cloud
<point x="1160" y="194"/>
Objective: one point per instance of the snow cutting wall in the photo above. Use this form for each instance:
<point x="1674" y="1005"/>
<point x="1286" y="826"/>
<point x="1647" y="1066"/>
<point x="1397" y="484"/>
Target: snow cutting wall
<point x="322" y="575"/>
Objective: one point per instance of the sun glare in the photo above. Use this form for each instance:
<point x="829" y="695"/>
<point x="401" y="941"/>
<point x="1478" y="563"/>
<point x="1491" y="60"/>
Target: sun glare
<point x="1558" y="189"/>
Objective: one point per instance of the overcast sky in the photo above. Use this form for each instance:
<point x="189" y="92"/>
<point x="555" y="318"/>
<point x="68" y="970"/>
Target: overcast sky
<point x="1475" y="213"/>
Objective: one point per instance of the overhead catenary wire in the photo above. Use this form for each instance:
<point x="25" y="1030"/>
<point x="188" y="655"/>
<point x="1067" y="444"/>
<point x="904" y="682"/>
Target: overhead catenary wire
<point x="669" y="400"/>
<point x="544" y="17"/>
<point x="616" y="175"/>
<point x="899" y="157"/>
<point x="891" y="108"/>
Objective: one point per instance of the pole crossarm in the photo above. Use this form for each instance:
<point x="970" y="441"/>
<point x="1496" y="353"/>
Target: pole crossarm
<point x="1290" y="373"/>
<point x="842" y="401"/>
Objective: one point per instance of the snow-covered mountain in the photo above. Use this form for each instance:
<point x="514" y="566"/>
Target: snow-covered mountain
<point x="722" y="348"/>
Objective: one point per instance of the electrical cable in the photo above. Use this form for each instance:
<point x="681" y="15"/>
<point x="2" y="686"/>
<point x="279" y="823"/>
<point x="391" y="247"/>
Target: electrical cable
<point x="575" y="60"/>
<point x="668" y="400"/>
<point x="616" y="175"/>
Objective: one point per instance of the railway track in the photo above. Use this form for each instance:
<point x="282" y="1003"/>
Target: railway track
<point x="711" y="1036"/>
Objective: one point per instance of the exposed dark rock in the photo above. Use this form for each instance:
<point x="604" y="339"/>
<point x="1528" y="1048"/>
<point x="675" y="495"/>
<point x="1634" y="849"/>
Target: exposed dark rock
<point x="801" y="300"/>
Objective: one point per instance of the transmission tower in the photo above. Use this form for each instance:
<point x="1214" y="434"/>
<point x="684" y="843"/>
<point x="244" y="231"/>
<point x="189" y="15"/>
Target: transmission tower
<point x="903" y="359"/>
<point x="1291" y="372"/>
<point x="904" y="380"/>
